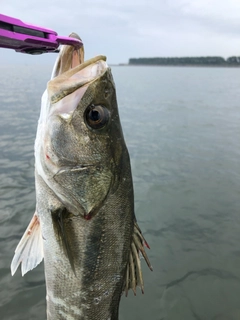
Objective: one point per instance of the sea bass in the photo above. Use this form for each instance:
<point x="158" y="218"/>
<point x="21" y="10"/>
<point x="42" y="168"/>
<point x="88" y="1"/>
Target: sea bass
<point x="84" y="225"/>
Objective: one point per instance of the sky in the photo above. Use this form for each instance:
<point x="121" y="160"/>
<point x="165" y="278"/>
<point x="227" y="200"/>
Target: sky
<point x="123" y="29"/>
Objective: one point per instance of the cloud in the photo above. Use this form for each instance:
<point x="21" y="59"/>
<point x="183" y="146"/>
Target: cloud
<point x="127" y="28"/>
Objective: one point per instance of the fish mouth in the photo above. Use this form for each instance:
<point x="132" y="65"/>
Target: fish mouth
<point x="73" y="79"/>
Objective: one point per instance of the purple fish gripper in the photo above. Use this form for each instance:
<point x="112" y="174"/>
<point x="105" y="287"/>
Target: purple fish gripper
<point x="27" y="38"/>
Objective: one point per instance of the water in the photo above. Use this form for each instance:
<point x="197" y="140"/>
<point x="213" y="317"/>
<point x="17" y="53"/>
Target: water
<point x="182" y="129"/>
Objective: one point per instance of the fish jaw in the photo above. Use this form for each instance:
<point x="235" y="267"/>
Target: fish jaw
<point x="68" y="58"/>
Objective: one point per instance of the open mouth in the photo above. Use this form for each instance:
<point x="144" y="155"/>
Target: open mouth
<point x="66" y="90"/>
<point x="75" y="78"/>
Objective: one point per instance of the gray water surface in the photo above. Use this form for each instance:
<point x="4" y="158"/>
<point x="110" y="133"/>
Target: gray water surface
<point x="182" y="129"/>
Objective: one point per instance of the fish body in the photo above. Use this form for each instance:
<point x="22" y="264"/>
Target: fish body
<point x="84" y="225"/>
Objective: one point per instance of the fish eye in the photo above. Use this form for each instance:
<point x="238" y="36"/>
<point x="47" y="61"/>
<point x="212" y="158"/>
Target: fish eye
<point x="96" y="116"/>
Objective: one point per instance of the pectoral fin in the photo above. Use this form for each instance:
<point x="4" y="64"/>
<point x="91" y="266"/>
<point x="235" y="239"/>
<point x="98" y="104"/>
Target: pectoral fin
<point x="29" y="251"/>
<point x="61" y="219"/>
<point x="134" y="276"/>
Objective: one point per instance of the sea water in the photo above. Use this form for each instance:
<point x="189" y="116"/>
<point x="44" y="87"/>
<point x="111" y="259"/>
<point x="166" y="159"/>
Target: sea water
<point x="182" y="129"/>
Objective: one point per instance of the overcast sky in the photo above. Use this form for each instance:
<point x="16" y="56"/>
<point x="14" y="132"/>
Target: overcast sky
<point x="121" y="29"/>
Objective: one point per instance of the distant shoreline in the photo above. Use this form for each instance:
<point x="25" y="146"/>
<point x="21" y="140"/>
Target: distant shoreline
<point x="208" y="61"/>
<point x="175" y="65"/>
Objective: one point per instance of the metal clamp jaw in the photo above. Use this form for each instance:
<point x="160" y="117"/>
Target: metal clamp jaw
<point x="26" y="38"/>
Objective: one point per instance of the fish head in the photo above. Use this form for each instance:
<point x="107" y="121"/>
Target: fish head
<point x="79" y="142"/>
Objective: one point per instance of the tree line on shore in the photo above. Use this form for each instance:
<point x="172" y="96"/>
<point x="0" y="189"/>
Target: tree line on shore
<point x="213" y="61"/>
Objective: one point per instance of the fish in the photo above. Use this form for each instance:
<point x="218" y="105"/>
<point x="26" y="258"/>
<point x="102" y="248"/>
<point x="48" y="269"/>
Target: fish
<point x="84" y="225"/>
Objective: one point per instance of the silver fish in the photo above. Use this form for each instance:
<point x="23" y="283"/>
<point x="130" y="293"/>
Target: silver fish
<point x="84" y="225"/>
